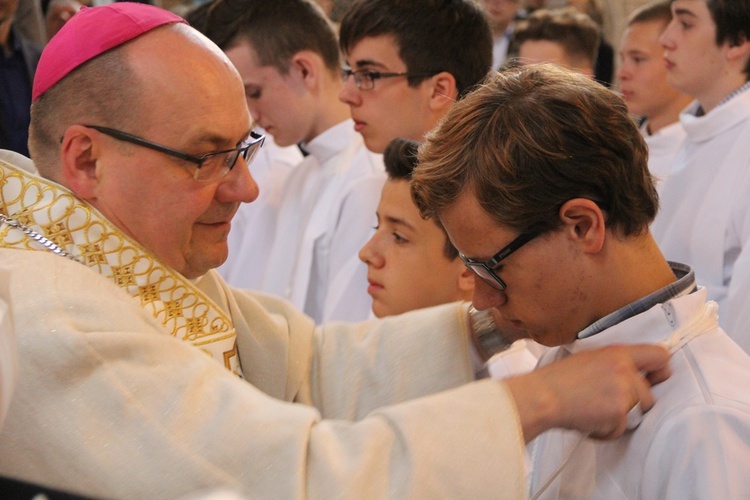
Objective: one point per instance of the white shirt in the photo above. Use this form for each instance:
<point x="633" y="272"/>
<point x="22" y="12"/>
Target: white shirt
<point x="704" y="215"/>
<point x="254" y="225"/>
<point x="327" y="213"/>
<point x="694" y="442"/>
<point x="662" y="149"/>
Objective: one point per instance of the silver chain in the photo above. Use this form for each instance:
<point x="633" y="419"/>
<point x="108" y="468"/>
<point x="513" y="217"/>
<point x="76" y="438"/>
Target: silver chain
<point x="45" y="242"/>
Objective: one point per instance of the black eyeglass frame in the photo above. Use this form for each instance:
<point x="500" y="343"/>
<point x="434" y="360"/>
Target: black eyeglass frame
<point x="255" y="142"/>
<point x="486" y="270"/>
<point x="368" y="75"/>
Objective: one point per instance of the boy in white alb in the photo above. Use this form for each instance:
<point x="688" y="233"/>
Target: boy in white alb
<point x="704" y="217"/>
<point x="645" y="87"/>
<point x="287" y="55"/>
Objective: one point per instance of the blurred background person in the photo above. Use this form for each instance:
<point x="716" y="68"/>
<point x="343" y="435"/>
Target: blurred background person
<point x="57" y="13"/>
<point x="18" y="59"/>
<point x="501" y="16"/>
<point x="29" y="21"/>
<point x="564" y="37"/>
<point x="604" y="66"/>
<point x="532" y="5"/>
<point x="645" y="87"/>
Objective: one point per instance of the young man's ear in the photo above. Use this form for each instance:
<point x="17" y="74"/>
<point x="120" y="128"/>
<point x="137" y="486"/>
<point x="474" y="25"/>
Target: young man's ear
<point x="739" y="52"/>
<point x="307" y="65"/>
<point x="584" y="224"/>
<point x="78" y="154"/>
<point x="444" y="91"/>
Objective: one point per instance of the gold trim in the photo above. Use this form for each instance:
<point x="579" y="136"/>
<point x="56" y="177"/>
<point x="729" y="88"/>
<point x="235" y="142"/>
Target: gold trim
<point x="78" y="228"/>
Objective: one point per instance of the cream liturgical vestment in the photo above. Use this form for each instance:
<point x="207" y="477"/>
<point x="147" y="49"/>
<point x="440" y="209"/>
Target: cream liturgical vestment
<point x="128" y="381"/>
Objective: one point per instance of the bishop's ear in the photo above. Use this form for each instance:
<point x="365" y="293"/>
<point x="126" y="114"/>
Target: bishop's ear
<point x="79" y="151"/>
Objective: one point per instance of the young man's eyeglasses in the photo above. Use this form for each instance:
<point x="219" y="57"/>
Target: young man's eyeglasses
<point x="364" y="79"/>
<point x="207" y="167"/>
<point x="485" y="270"/>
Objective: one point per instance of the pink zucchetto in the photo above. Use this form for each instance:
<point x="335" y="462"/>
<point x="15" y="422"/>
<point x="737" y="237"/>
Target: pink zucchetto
<point x="91" y="32"/>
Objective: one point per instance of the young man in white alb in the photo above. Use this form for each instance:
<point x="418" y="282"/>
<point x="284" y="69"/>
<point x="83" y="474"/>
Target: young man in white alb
<point x="704" y="217"/>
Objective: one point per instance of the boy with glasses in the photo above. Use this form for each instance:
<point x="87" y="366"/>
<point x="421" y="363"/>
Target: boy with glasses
<point x="407" y="63"/>
<point x="547" y="166"/>
<point x="287" y="56"/>
<point x="705" y="200"/>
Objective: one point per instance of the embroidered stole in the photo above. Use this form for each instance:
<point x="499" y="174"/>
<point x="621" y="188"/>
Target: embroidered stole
<point x="80" y="230"/>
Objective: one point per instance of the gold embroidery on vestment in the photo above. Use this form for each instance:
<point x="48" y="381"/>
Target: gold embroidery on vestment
<point x="79" y="229"/>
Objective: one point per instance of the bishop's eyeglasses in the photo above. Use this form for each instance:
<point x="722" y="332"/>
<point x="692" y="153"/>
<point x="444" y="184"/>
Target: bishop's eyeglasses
<point x="206" y="167"/>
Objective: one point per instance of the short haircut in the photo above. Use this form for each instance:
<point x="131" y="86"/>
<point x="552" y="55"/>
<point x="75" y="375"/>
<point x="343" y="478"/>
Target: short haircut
<point x="577" y="33"/>
<point x="658" y="10"/>
<point x="732" y="19"/>
<point x="529" y="140"/>
<point x="276" y="30"/>
<point x="104" y="90"/>
<point x="400" y="159"/>
<point x="432" y="36"/>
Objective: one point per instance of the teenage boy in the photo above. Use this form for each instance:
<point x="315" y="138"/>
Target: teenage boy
<point x="705" y="201"/>
<point x="411" y="262"/>
<point x="645" y="87"/>
<point x="541" y="180"/>
<point x="564" y="37"/>
<point x="396" y="83"/>
<point x="287" y="55"/>
<point x="502" y="16"/>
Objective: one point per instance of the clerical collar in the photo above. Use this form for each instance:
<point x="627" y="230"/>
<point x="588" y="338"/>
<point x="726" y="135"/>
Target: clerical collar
<point x="684" y="285"/>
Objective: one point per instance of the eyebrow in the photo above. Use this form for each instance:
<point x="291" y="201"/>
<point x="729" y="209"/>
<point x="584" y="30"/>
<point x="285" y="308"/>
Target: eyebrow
<point x="217" y="140"/>
<point x="399" y="222"/>
<point x="683" y="11"/>
<point x="368" y="62"/>
<point x="631" y="52"/>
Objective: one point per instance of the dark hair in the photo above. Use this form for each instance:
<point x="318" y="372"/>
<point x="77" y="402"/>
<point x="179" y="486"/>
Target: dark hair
<point x="432" y="36"/>
<point x="529" y="140"/>
<point x="276" y="30"/>
<point x="196" y="17"/>
<point x="400" y="159"/>
<point x="576" y="32"/>
<point x="732" y="19"/>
